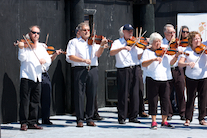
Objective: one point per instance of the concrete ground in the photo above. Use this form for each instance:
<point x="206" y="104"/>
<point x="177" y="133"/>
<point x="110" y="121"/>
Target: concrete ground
<point x="65" y="127"/>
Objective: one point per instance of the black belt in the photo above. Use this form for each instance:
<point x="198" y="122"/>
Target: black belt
<point x="133" y="66"/>
<point x="85" y="67"/>
<point x="175" y="67"/>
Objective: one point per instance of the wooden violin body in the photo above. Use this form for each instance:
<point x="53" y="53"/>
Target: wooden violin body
<point x="172" y="51"/>
<point x="97" y="39"/>
<point x="141" y="44"/>
<point x="199" y="49"/>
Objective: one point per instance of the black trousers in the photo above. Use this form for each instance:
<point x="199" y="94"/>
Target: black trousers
<point x="85" y="83"/>
<point x="155" y="89"/>
<point x="128" y="92"/>
<point x="194" y="86"/>
<point x="29" y="101"/>
<point x="45" y="96"/>
<point x="141" y="91"/>
<point x="178" y="82"/>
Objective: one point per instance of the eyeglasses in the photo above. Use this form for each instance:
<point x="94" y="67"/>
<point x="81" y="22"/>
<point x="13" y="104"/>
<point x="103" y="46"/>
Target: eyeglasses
<point x="185" y="31"/>
<point x="85" y="30"/>
<point x="35" y="32"/>
<point x="171" y="32"/>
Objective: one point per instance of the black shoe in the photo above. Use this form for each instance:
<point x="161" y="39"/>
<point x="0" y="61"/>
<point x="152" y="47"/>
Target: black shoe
<point x="46" y="122"/>
<point x="122" y="121"/>
<point x="135" y="120"/>
<point x="97" y="117"/>
<point x="169" y="118"/>
<point x="182" y="118"/>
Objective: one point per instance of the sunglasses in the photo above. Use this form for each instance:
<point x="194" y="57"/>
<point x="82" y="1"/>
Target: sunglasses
<point x="35" y="32"/>
<point x="85" y="30"/>
<point x="185" y="31"/>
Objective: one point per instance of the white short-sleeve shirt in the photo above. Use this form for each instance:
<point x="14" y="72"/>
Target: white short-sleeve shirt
<point x="157" y="71"/>
<point x="81" y="49"/>
<point x="200" y="69"/>
<point x="126" y="58"/>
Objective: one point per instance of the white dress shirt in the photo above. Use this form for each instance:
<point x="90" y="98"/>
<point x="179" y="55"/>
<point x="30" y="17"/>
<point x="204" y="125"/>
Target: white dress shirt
<point x="81" y="49"/>
<point x="126" y="58"/>
<point x="30" y="66"/>
<point x="68" y="49"/>
<point x="157" y="71"/>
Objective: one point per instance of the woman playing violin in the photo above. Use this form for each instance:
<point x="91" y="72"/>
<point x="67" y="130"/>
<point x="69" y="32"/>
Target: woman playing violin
<point x="157" y="72"/>
<point x="196" y="78"/>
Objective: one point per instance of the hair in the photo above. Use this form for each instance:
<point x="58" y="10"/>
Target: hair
<point x="182" y="27"/>
<point x="155" y="36"/>
<point x="191" y="36"/>
<point x="166" y="26"/>
<point x="80" y="26"/>
<point x="30" y="28"/>
<point x="121" y="34"/>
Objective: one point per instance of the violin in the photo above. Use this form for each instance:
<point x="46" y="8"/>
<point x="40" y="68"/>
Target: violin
<point x="142" y="44"/>
<point x="23" y="43"/>
<point x="161" y="51"/>
<point x="97" y="39"/>
<point x="200" y="49"/>
<point x="183" y="43"/>
<point x="51" y="50"/>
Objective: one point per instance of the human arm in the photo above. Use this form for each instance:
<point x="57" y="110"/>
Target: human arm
<point x="182" y="63"/>
<point x="148" y="62"/>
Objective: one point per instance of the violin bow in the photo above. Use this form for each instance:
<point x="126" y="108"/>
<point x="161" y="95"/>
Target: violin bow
<point x="33" y="51"/>
<point x="47" y="38"/>
<point x="199" y="57"/>
<point x="94" y="37"/>
<point x="167" y="47"/>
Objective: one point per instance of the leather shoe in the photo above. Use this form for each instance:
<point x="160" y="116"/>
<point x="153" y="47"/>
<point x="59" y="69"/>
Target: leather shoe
<point x="122" y="121"/>
<point x="97" y="117"/>
<point x="144" y="114"/>
<point x="135" y="120"/>
<point x="91" y="123"/>
<point x="80" y="124"/>
<point x="47" y="122"/>
<point x="182" y="118"/>
<point x="35" y="126"/>
<point x="23" y="127"/>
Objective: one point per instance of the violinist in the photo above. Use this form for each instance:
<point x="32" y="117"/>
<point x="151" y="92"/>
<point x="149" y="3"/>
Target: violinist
<point x="33" y="60"/>
<point x="177" y="84"/>
<point x="46" y="90"/>
<point x="196" y="78"/>
<point x="184" y="32"/>
<point x="127" y="63"/>
<point x="84" y="59"/>
<point x="158" y="73"/>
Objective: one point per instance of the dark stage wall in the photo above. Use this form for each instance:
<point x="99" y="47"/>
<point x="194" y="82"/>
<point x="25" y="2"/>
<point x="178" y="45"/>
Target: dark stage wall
<point x="59" y="18"/>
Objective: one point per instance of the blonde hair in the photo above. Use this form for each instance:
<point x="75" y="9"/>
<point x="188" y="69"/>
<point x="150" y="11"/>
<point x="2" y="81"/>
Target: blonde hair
<point x="191" y="36"/>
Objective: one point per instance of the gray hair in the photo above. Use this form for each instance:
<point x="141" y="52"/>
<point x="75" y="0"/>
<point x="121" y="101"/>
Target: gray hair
<point x="121" y="34"/>
<point x="155" y="36"/>
<point x="80" y="26"/>
<point x="30" y="28"/>
<point x="166" y="26"/>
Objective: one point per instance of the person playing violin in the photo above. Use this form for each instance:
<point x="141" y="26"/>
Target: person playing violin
<point x="158" y="73"/>
<point x="84" y="59"/>
<point x="33" y="60"/>
<point x="46" y="90"/>
<point x="196" y="78"/>
<point x="177" y="84"/>
<point x="127" y="76"/>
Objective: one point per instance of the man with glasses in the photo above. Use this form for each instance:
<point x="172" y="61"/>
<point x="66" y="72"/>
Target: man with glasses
<point x="84" y="60"/>
<point x="33" y="60"/>
<point x="127" y="76"/>
<point x="177" y="84"/>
